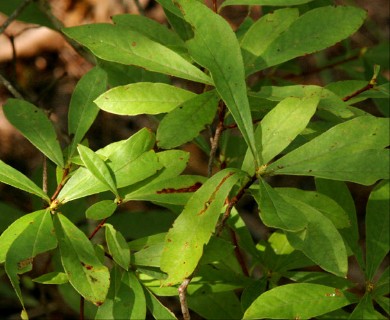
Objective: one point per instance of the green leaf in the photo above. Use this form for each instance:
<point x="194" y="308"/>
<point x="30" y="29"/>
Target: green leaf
<point x="174" y="162"/>
<point x="320" y="241"/>
<point x="82" y="109"/>
<point x="157" y="309"/>
<point x="193" y="114"/>
<point x="97" y="167"/>
<point x="33" y="123"/>
<point x="327" y="206"/>
<point x="117" y="246"/>
<point x="184" y="249"/>
<point x="365" y="310"/>
<point x="264" y="31"/>
<point x="142" y="98"/>
<point x="151" y="29"/>
<point x="377" y="227"/>
<point x="86" y="273"/>
<point x="150" y="254"/>
<point x="273" y="3"/>
<point x="175" y="190"/>
<point x="117" y="43"/>
<point x="125" y="299"/>
<point x="315" y="30"/>
<point x="348" y="151"/>
<point x="297" y="301"/>
<point x="101" y="210"/>
<point x="32" y="13"/>
<point x="212" y="305"/>
<point x="220" y="53"/>
<point x="52" y="278"/>
<point x="15" y="178"/>
<point x="130" y="161"/>
<point x="275" y="212"/>
<point x="35" y="238"/>
<point x="338" y="191"/>
<point x="319" y="278"/>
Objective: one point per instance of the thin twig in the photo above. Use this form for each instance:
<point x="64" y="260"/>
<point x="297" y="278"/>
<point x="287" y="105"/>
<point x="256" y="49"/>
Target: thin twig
<point x="183" y="298"/>
<point x="141" y="10"/>
<point x="100" y="225"/>
<point x="14" y="15"/>
<point x="10" y="87"/>
<point x="61" y="184"/>
<point x="215" y="140"/>
<point x="367" y="87"/>
<point x="238" y="253"/>
<point x="44" y="175"/>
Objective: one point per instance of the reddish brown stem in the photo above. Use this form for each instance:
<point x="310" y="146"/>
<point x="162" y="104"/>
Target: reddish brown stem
<point x="183" y="298"/>
<point x="61" y="185"/>
<point x="367" y="87"/>
<point x="238" y="253"/>
<point x="100" y="225"/>
<point x="217" y="135"/>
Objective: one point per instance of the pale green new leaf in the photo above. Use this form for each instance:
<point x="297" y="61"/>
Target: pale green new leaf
<point x="273" y="3"/>
<point x="142" y="98"/>
<point x="297" y="301"/>
<point x="52" y="278"/>
<point x="220" y="53"/>
<point x="15" y="178"/>
<point x="82" y="109"/>
<point x="37" y="237"/>
<point x="101" y="210"/>
<point x="315" y="30"/>
<point x="320" y="241"/>
<point x="350" y="151"/>
<point x="33" y="123"/>
<point x="125" y="299"/>
<point x="97" y="167"/>
<point x="275" y="212"/>
<point x="193" y="115"/>
<point x="377" y="227"/>
<point x="183" y="249"/>
<point x="85" y="272"/>
<point x="117" y="246"/>
<point x="119" y="44"/>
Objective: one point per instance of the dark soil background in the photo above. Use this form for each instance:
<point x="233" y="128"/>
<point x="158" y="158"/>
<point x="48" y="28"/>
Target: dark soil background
<point x="45" y="69"/>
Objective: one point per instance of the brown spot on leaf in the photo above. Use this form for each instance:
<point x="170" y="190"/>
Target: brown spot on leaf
<point x="134" y="43"/>
<point x="24" y="263"/>
<point x="87" y="266"/>
<point x="192" y="188"/>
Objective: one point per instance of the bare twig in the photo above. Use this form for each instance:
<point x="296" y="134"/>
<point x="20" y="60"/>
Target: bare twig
<point x="14" y="15"/>
<point x="238" y="253"/>
<point x="61" y="184"/>
<point x="367" y="87"/>
<point x="44" y="175"/>
<point x="10" y="87"/>
<point x="183" y="298"/>
<point x="215" y="140"/>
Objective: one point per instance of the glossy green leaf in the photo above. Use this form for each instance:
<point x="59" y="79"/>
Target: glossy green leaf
<point x="119" y="44"/>
<point x="275" y="212"/>
<point x="319" y="278"/>
<point x="351" y="151"/>
<point x="82" y="109"/>
<point x="117" y="246"/>
<point x="97" y="167"/>
<point x="101" y="210"/>
<point x="125" y="299"/>
<point x="150" y="254"/>
<point x="52" y="278"/>
<point x="157" y="309"/>
<point x="377" y="227"/>
<point x="211" y="305"/>
<point x="328" y="25"/>
<point x="86" y="273"/>
<point x="273" y="3"/>
<point x="33" y="123"/>
<point x="264" y="31"/>
<point x="175" y="190"/>
<point x="151" y="29"/>
<point x="339" y="192"/>
<point x="15" y="178"/>
<point x="193" y="114"/>
<point x="184" y="249"/>
<point x="320" y="241"/>
<point x="35" y="238"/>
<point x="327" y="206"/>
<point x="297" y="301"/>
<point x="220" y="53"/>
<point x="142" y="98"/>
<point x="384" y="303"/>
<point x="174" y="163"/>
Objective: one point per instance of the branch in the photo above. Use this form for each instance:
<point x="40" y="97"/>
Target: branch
<point x="10" y="87"/>
<point x="14" y="15"/>
<point x="215" y="140"/>
<point x="367" y="87"/>
<point x="183" y="298"/>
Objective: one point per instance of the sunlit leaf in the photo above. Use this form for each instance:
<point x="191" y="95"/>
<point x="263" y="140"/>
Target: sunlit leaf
<point x="52" y="278"/>
<point x="101" y="210"/>
<point x="158" y="310"/>
<point x="117" y="246"/>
